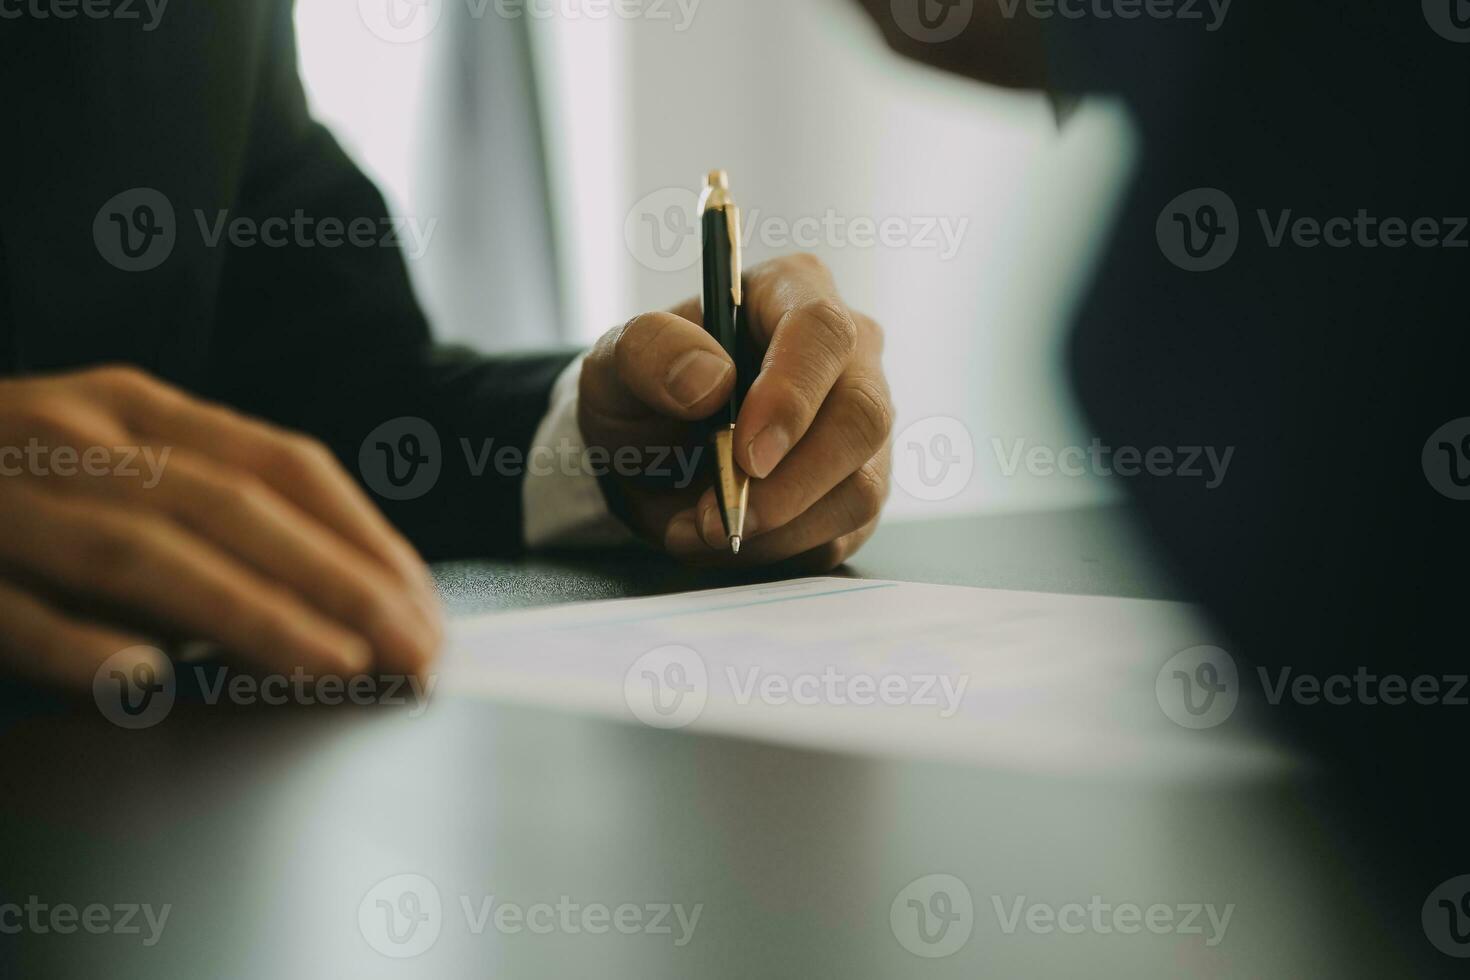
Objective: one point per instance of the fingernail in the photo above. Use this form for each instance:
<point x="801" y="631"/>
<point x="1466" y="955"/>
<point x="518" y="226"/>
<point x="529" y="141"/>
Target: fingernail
<point x="694" y="375"/>
<point x="683" y="535"/>
<point x="768" y="449"/>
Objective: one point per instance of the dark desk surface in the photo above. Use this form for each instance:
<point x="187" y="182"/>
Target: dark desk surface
<point x="1092" y="551"/>
<point x="267" y="829"/>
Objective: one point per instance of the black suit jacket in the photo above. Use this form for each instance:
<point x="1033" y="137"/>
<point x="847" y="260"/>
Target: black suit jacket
<point x="207" y="109"/>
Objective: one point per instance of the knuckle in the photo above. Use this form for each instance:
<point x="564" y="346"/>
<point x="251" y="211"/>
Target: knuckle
<point x="48" y="418"/>
<point x="256" y="618"/>
<point x="800" y="398"/>
<point x="125" y="380"/>
<point x="237" y="494"/>
<point x="367" y="608"/>
<point x="112" y="550"/>
<point x="803" y="261"/>
<point x="254" y="624"/>
<point x="638" y="336"/>
<point x="296" y="458"/>
<point x="808" y="490"/>
<point x="870" y="413"/>
<point x="830" y="325"/>
<point x="870" y="493"/>
<point x="312" y="450"/>
<point x="629" y="339"/>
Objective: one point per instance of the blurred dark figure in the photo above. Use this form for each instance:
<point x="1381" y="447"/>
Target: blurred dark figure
<point x="1330" y="354"/>
<point x="1325" y="357"/>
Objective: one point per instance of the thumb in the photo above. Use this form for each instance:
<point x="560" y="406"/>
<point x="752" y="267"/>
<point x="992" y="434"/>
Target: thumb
<point x="657" y="364"/>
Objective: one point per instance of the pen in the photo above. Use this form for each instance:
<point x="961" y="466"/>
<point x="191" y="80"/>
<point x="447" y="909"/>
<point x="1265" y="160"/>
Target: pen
<point x="724" y="319"/>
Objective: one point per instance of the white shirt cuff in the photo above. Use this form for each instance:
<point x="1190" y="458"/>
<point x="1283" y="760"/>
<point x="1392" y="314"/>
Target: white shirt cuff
<point x="561" y="500"/>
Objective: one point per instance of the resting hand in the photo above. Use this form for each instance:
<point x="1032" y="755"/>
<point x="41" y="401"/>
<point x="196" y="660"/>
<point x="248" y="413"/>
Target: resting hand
<point x="133" y="511"/>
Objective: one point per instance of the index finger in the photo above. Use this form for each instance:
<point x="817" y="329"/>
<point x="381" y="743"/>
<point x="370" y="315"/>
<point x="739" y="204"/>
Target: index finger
<point x="810" y="338"/>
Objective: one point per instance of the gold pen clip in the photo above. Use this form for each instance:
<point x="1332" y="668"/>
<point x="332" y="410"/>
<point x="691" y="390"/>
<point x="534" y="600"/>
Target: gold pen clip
<point x="716" y="197"/>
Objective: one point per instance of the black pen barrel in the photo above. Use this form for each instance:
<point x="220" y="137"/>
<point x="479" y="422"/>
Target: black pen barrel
<point x="720" y="311"/>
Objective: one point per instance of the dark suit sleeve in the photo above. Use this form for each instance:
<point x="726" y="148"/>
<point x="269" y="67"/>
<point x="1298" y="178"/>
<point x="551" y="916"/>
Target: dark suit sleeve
<point x="331" y="341"/>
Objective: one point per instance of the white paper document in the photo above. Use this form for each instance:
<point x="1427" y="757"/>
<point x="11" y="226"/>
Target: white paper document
<point x="1012" y="679"/>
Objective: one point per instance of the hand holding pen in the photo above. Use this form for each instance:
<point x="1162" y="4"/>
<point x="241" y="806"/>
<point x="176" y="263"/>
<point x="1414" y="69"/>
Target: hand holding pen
<point x="811" y="429"/>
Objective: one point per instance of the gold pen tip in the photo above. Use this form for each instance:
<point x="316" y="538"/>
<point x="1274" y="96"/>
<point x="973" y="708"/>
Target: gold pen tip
<point x="735" y="544"/>
<point x="719" y="179"/>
